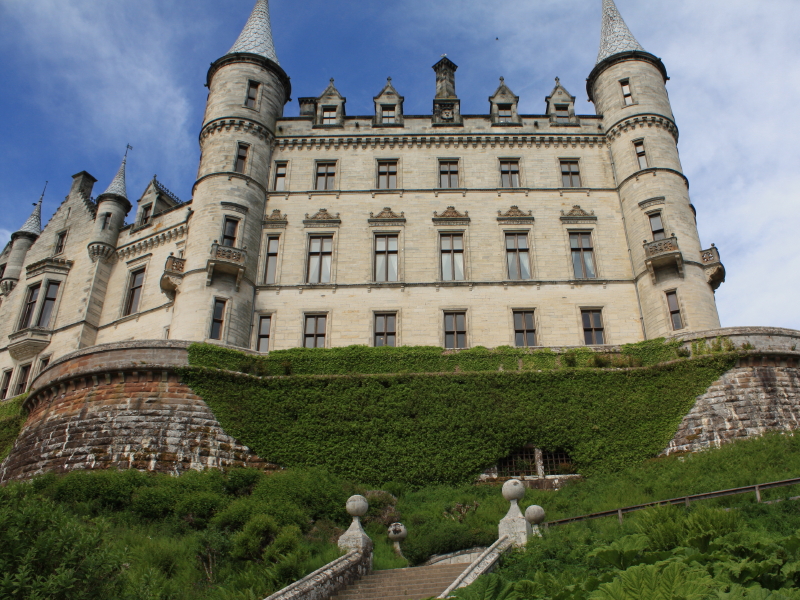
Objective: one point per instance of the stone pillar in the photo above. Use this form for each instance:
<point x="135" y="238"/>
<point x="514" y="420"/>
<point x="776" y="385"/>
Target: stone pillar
<point x="356" y="538"/>
<point x="514" y="524"/>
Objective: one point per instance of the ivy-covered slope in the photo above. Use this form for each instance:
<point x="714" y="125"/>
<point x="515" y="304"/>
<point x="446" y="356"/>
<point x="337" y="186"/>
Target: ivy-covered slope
<point x="446" y="427"/>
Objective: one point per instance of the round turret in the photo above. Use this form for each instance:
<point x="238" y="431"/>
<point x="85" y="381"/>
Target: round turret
<point x="112" y="208"/>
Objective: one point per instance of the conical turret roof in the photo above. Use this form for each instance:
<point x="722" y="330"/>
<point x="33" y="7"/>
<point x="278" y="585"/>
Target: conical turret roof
<point x="34" y="223"/>
<point x="615" y="36"/>
<point x="256" y="37"/>
<point x="117" y="186"/>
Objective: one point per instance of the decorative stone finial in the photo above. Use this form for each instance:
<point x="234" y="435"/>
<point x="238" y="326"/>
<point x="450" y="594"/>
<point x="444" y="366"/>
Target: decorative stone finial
<point x="397" y="533"/>
<point x="356" y="538"/>
<point x="534" y="515"/>
<point x="514" y="525"/>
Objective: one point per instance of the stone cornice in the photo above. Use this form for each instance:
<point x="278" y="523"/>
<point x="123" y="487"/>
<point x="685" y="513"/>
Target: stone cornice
<point x="154" y="240"/>
<point x="242" y="124"/>
<point x="641" y="121"/>
<point x="443" y="191"/>
<point x="400" y="285"/>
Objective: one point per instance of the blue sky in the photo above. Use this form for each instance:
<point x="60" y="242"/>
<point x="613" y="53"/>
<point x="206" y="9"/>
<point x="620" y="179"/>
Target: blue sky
<point x="79" y="79"/>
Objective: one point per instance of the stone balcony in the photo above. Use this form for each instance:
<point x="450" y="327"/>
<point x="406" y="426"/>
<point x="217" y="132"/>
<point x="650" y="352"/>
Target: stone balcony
<point x="663" y="253"/>
<point x="173" y="274"/>
<point x="27" y="343"/>
<point x="714" y="269"/>
<point x="225" y="259"/>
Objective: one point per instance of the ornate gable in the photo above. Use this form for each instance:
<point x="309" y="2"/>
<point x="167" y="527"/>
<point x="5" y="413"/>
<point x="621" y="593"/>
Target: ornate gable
<point x="388" y="107"/>
<point x="451" y="217"/>
<point x="578" y="215"/>
<point x="322" y="219"/>
<point x="386" y="217"/>
<point x="561" y="106"/>
<point x="515" y="216"/>
<point x="503" y="102"/>
<point x="276" y="220"/>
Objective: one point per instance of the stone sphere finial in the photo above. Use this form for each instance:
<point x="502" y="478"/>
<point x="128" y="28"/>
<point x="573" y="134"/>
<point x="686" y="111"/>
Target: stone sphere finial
<point x="534" y="515"/>
<point x="513" y="490"/>
<point x="397" y="532"/>
<point x="357" y="506"/>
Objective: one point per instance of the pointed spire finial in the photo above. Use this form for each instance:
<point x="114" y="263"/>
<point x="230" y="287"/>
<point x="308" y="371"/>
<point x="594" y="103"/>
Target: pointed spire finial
<point x="118" y="186"/>
<point x="34" y="223"/>
<point x="615" y="36"/>
<point x="256" y="37"/>
<point x="502" y="80"/>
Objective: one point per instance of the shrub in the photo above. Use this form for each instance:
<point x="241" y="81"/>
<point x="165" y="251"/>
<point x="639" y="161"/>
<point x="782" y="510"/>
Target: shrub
<point x="252" y="540"/>
<point x="197" y="509"/>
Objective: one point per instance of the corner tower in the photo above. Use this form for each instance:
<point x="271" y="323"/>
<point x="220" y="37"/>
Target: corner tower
<point x="675" y="277"/>
<point x="21" y="242"/>
<point x="247" y="92"/>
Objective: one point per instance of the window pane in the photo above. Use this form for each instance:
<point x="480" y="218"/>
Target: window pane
<point x="458" y="242"/>
<point x="313" y="269"/>
<point x="447" y="272"/>
<point x="135" y="295"/>
<point x="522" y="241"/>
<point x="677" y="322"/>
<point x="273" y="245"/>
<point x="445" y="242"/>
<point x="587" y="319"/>
<point x="272" y="265"/>
<point x="380" y="267"/>
<point x="393" y="243"/>
<point x="518" y="320"/>
<point x="444" y="180"/>
<point x="577" y="264"/>
<point x="513" y="271"/>
<point x="310" y="325"/>
<point x="672" y="299"/>
<point x="392" y="268"/>
<point x="598" y="337"/>
<point x="519" y="339"/>
<point x="588" y="338"/>
<point x="316" y="244"/>
<point x="327" y="244"/>
<point x="380" y="323"/>
<point x="265" y="324"/>
<point x="390" y="340"/>
<point x="325" y="276"/>
<point x="216" y="330"/>
<point x="390" y="323"/>
<point x="462" y="340"/>
<point x="449" y="322"/>
<point x="586" y="240"/>
<point x="574" y="240"/>
<point x="321" y="325"/>
<point x="138" y="279"/>
<point x="598" y="322"/>
<point x="458" y="267"/>
<point x="655" y="222"/>
<point x="219" y="308"/>
<point x="529" y="320"/>
<point x="449" y="340"/>
<point x="589" y="264"/>
<point x="380" y="243"/>
<point x="511" y="242"/>
<point x="531" y="338"/>
<point x="461" y="322"/>
<point x="524" y="266"/>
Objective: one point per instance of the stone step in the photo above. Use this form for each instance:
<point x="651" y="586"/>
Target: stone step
<point x="414" y="583"/>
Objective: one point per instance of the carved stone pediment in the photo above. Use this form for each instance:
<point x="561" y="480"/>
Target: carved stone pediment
<point x="276" y="220"/>
<point x="515" y="216"/>
<point x="322" y="219"/>
<point x="451" y="216"/>
<point x="387" y="217"/>
<point x="578" y="215"/>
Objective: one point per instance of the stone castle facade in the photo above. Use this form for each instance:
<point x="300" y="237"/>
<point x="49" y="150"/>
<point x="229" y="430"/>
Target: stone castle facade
<point x="328" y="230"/>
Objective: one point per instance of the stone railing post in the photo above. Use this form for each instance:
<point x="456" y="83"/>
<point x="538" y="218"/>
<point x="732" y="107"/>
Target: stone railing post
<point x="356" y="538"/>
<point x="516" y="526"/>
<point x="397" y="533"/>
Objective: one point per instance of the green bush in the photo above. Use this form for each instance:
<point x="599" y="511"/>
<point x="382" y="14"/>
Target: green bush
<point x="258" y="533"/>
<point x="198" y="509"/>
<point x="12" y="418"/>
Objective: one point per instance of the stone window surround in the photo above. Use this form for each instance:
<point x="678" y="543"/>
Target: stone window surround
<point x="247" y="162"/>
<point x="226" y="319"/>
<point x="584" y="184"/>
<point x="47" y="357"/>
<point x="665" y="304"/>
<point x="397" y="312"/>
<point x="337" y="175"/>
<point x="316" y="313"/>
<point x="464" y="231"/>
<point x="384" y="159"/>
<point x="141" y="215"/>
<point x="660" y="209"/>
<point x="400" y="233"/>
<point x="276" y="163"/>
<point x="641" y="140"/>
<point x="528" y="232"/>
<point x="334" y="257"/>
<point x="598" y="267"/>
<point x="511" y="328"/>
<point x="10" y="374"/>
<point x="18" y="375"/>
<point x="629" y="81"/>
<point x="461" y="179"/>
<point x="272" y="314"/>
<point x="262" y="266"/>
<point x="37" y="309"/>
<point x="143" y="262"/>
<point x="579" y="308"/>
<point x="467" y="323"/>
<point x="521" y="176"/>
<point x="231" y="214"/>
<point x="65" y="233"/>
<point x="259" y="94"/>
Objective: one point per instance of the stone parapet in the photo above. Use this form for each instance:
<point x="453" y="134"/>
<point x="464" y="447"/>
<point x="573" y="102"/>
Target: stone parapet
<point x="330" y="579"/>
<point x="773" y="339"/>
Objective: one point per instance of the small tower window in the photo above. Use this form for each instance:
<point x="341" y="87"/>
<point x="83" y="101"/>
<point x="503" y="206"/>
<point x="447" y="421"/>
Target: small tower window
<point x="657" y="227"/>
<point x="229" y="231"/>
<point x="264" y="326"/>
<point x="2" y="271"/>
<point x="326" y="176"/>
<point x="217" y="319"/>
<point x="30" y="304"/>
<point x="329" y="115"/>
<point x="280" y="176"/>
<point x="674" y="310"/>
<point x="593" y="331"/>
<point x="252" y="94"/>
<point x="570" y="174"/>
<point x="524" y="329"/>
<point x="641" y="155"/>
<point x="314" y="335"/>
<point x="49" y="302"/>
<point x="626" y="92"/>
<point x="504" y="113"/>
<point x="389" y="114"/>
<point x="387" y="175"/>
<point x="61" y="242"/>
<point x="509" y="173"/>
<point x="272" y="259"/>
<point x="385" y="330"/>
<point x="241" y="158"/>
<point x="147" y="213"/>
<point x="562" y="113"/>
<point x="134" y="292"/>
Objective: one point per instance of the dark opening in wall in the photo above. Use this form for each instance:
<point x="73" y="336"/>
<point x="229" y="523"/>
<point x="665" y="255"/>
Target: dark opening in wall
<point x="533" y="462"/>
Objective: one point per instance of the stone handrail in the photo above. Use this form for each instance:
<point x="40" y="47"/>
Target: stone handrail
<point x="229" y="254"/>
<point x="660" y="247"/>
<point x="482" y="565"/>
<point x="175" y="264"/>
<point x="330" y="579"/>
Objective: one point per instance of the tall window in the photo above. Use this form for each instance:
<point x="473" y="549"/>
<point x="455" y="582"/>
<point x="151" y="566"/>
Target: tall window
<point x="389" y="114"/>
<point x="229" y="231"/>
<point x="280" y="176"/>
<point x="503" y="113"/>
<point x="657" y="227"/>
<point x="593" y="327"/>
<point x="326" y="176"/>
<point x="5" y="383"/>
<point x="674" y="310"/>
<point x="264" y="326"/>
<point x="455" y="330"/>
<point x="134" y="292"/>
<point x="385" y="329"/>
<point x="49" y="302"/>
<point x="329" y="115"/>
<point x="22" y="380"/>
<point x="29" y="307"/>
<point x="582" y="255"/>
<point x="272" y="259"/>
<point x="570" y="174"/>
<point x="320" y="255"/>
<point x="2" y="271"/>
<point x="448" y="173"/>
<point x="252" y="94"/>
<point x="61" y="242"/>
<point x="626" y="92"/>
<point x="217" y="319"/>
<point x="387" y="175"/>
<point x="524" y="329"/>
<point x="452" y="251"/>
<point x="147" y="213"/>
<point x="241" y="158"/>
<point x="385" y="258"/>
<point x="641" y="155"/>
<point x="517" y="257"/>
<point x="562" y="113"/>
<point x="509" y="173"/>
<point x="314" y="336"/>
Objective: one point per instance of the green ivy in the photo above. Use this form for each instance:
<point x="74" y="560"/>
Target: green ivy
<point x="12" y="418"/>
<point x="448" y="425"/>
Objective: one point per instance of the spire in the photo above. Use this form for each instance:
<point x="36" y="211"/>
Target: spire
<point x="34" y="223"/>
<point x="256" y="37"/>
<point x="117" y="186"/>
<point x="615" y="36"/>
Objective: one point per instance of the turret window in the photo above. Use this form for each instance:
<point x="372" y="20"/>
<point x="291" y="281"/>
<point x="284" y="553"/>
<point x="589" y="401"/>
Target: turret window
<point x="389" y="114"/>
<point x="570" y="174"/>
<point x="2" y="271"/>
<point x="582" y="255"/>
<point x="241" y="158"/>
<point x="280" y="176"/>
<point x="626" y="92"/>
<point x="593" y="330"/>
<point x="217" y="319"/>
<point x="448" y="174"/>
<point x="675" y="310"/>
<point x="252" y="94"/>
<point x="48" y="305"/>
<point x="387" y="175"/>
<point x="134" y="295"/>
<point x="509" y="173"/>
<point x="657" y="227"/>
<point x="329" y="115"/>
<point x="326" y="176"/>
<point x="229" y="232"/>
<point x="30" y="305"/>
<point x="61" y="242"/>
<point x="272" y="259"/>
<point x="504" y="114"/>
<point x="641" y="155"/>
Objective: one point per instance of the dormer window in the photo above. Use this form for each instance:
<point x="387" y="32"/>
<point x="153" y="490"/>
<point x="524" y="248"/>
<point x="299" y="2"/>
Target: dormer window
<point x="504" y="113"/>
<point x="252" y="94"/>
<point x="329" y="115"/>
<point x="147" y="215"/>
<point x="562" y="113"/>
<point x="389" y="114"/>
<point x="61" y="242"/>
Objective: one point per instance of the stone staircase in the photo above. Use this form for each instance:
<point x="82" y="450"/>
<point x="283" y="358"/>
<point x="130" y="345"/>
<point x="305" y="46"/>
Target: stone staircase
<point x="413" y="583"/>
